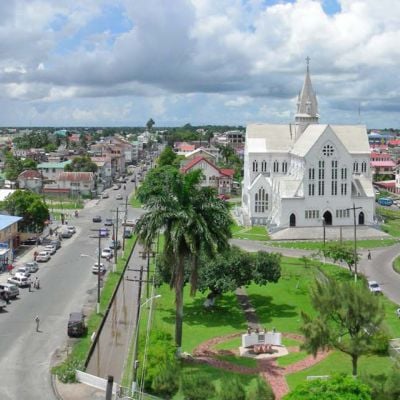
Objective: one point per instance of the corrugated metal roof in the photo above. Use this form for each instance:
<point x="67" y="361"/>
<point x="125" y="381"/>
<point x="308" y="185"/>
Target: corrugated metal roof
<point x="8" y="220"/>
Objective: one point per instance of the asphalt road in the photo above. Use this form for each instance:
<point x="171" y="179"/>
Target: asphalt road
<point x="67" y="284"/>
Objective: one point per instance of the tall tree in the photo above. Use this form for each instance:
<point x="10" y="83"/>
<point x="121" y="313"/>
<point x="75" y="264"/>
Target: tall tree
<point x="192" y="219"/>
<point x="349" y="318"/>
<point x="149" y="124"/>
<point x="341" y="253"/>
<point x="167" y="157"/>
<point x="81" y="164"/>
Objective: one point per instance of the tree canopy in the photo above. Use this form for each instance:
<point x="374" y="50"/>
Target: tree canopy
<point x="28" y="205"/>
<point x="349" y="318"/>
<point x="168" y="157"/>
<point x="14" y="166"/>
<point x="81" y="164"/>
<point x="149" y="124"/>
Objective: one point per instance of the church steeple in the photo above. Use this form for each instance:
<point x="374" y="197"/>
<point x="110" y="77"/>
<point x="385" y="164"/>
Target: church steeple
<point x="307" y="105"/>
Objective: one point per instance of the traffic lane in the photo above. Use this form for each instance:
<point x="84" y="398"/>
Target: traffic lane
<point x="25" y="353"/>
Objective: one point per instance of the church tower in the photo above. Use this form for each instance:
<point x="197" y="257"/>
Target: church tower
<point x="307" y="105"/>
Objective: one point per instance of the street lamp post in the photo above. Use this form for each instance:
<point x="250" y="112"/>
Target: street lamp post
<point x="354" y="208"/>
<point x="98" y="266"/>
<point x="324" y="227"/>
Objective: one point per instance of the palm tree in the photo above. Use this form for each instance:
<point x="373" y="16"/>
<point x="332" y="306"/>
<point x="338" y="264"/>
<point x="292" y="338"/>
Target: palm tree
<point x="192" y="218"/>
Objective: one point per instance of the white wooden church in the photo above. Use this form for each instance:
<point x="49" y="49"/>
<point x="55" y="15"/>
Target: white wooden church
<point x="305" y="173"/>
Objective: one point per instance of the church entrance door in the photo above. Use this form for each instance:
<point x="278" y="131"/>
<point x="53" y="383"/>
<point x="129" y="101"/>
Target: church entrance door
<point x="292" y="221"/>
<point x="361" y="218"/>
<point x="328" y="218"/>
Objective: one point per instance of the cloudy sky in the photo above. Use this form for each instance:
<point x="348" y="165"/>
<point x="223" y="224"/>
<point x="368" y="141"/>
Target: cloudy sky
<point x="120" y="62"/>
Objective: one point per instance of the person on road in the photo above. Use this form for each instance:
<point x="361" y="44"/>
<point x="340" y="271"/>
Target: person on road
<point x="37" y="283"/>
<point x="35" y="254"/>
<point x="369" y="254"/>
<point x="37" y="320"/>
<point x="30" y="285"/>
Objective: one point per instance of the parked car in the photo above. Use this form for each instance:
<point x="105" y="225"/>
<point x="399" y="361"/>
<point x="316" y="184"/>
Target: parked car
<point x="133" y="179"/>
<point x="104" y="232"/>
<point x="11" y="289"/>
<point x="76" y="325"/>
<point x="20" y="281"/>
<point x="96" y="218"/>
<point x="116" y="187"/>
<point x="107" y="253"/>
<point x="43" y="256"/>
<point x="117" y="242"/>
<point x="56" y="243"/>
<point x="105" y="195"/>
<point x="29" y="241"/>
<point x="51" y="249"/>
<point x="130" y="222"/>
<point x="65" y="233"/>
<point x="23" y="271"/>
<point x="71" y="228"/>
<point x="32" y="265"/>
<point x="108" y="222"/>
<point x="99" y="268"/>
<point x="374" y="287"/>
<point x="119" y="196"/>
<point x="127" y="233"/>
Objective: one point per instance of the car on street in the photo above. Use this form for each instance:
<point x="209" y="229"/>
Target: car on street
<point x="71" y="228"/>
<point x="108" y="222"/>
<point x="33" y="266"/>
<point x="116" y="187"/>
<point x="55" y="242"/>
<point x="105" y="195"/>
<point x="76" y="324"/>
<point x="130" y="222"/>
<point x="112" y="242"/>
<point x="104" y="232"/>
<point x="107" y="253"/>
<point x="127" y="233"/>
<point x="374" y="287"/>
<point x="96" y="218"/>
<point x="43" y="256"/>
<point x="133" y="179"/>
<point x="65" y="233"/>
<point x="29" y="241"/>
<point x="51" y="249"/>
<point x="119" y="196"/>
<point x="11" y="289"/>
<point x="99" y="268"/>
<point x="23" y="271"/>
<point x="20" y="281"/>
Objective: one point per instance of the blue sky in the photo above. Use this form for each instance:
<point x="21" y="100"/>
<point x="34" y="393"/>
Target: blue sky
<point x="120" y="62"/>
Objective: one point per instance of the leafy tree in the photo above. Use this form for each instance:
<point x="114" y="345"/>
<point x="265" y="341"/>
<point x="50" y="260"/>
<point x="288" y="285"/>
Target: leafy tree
<point x="83" y="140"/>
<point x="12" y="167"/>
<point x="226" y="152"/>
<point x="28" y="163"/>
<point x="340" y="387"/>
<point x="234" y="268"/>
<point x="260" y="391"/>
<point x="341" y="253"/>
<point x="167" y="157"/>
<point x="197" y="387"/>
<point x="384" y="386"/>
<point x="149" y="124"/>
<point x="349" y="318"/>
<point x="28" y="205"/>
<point x="193" y="220"/>
<point x="231" y="389"/>
<point x="81" y="164"/>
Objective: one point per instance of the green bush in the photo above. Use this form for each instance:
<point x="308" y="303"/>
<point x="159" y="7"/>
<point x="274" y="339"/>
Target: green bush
<point x="66" y="371"/>
<point x="260" y="391"/>
<point x="196" y="387"/>
<point x="160" y="355"/>
<point x="384" y="386"/>
<point x="381" y="344"/>
<point x="231" y="389"/>
<point x="166" y="383"/>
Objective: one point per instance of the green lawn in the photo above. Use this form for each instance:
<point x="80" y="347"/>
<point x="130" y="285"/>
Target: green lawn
<point x="250" y="233"/>
<point x="317" y="245"/>
<point x="396" y="265"/>
<point x="392" y="220"/>
<point x="134" y="202"/>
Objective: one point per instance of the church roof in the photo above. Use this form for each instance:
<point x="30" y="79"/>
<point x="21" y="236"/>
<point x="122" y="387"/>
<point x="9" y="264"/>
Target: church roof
<point x="307" y="104"/>
<point x="309" y="137"/>
<point x="290" y="187"/>
<point x="261" y="138"/>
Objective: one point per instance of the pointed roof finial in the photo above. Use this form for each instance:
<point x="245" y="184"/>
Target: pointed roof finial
<point x="308" y="63"/>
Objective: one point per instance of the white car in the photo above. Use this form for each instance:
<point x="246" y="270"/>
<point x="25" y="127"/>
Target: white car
<point x="374" y="287"/>
<point x="119" y="196"/>
<point x="21" y="274"/>
<point x="107" y="253"/>
<point x="32" y="265"/>
<point x="71" y="229"/>
<point x="43" y="256"/>
<point x="51" y="249"/>
<point x="105" y="195"/>
<point x="23" y="271"/>
<point x="99" y="268"/>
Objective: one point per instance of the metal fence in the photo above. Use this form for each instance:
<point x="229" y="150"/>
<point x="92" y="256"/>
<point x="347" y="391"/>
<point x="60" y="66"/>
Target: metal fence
<point x="125" y="393"/>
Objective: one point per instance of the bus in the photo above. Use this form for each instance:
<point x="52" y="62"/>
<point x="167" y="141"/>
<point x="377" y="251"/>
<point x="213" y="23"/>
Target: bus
<point x="385" y="201"/>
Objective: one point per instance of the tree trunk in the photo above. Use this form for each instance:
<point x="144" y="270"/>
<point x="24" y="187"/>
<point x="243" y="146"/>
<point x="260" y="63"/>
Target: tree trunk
<point x="179" y="281"/>
<point x="354" y="361"/>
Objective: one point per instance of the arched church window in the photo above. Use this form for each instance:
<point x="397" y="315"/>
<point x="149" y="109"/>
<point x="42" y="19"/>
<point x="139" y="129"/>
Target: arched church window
<point x="328" y="150"/>
<point x="355" y="166"/>
<point x="276" y="166"/>
<point x="284" y="167"/>
<point x="255" y="166"/>
<point x="264" y="166"/>
<point x="261" y="201"/>
<point x="363" y="166"/>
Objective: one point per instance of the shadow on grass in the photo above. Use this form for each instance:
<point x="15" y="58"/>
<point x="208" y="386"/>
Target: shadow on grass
<point x="225" y="312"/>
<point x="265" y="306"/>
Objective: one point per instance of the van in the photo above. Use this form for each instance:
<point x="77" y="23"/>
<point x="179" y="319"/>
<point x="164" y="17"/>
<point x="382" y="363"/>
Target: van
<point x="11" y="289"/>
<point x="385" y="201"/>
<point x="76" y="324"/>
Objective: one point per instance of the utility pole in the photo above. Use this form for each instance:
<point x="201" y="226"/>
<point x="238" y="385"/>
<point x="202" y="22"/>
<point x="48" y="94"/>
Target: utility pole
<point x="98" y="270"/>
<point x="126" y="213"/>
<point x="116" y="235"/>
<point x="147" y="254"/>
<point x="354" y="208"/>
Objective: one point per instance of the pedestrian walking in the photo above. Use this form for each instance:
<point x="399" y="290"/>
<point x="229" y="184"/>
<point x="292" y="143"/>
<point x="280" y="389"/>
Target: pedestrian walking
<point x="35" y="254"/>
<point x="369" y="254"/>
<point x="37" y="283"/>
<point x="37" y="320"/>
<point x="30" y="285"/>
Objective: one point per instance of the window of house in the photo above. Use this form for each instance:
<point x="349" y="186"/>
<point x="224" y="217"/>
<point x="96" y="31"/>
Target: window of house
<point x="261" y="201"/>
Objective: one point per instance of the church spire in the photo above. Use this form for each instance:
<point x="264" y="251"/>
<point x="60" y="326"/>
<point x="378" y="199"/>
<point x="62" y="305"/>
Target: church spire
<point x="307" y="105"/>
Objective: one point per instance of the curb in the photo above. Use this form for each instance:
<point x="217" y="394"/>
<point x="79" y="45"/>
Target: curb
<point x="53" y="380"/>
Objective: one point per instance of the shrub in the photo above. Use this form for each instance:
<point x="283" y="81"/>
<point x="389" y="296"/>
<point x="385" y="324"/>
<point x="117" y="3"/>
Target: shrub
<point x="260" y="391"/>
<point x="231" y="389"/>
<point x="196" y="387"/>
<point x="66" y="371"/>
<point x="166" y="383"/>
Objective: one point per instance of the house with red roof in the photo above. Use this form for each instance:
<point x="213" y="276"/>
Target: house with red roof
<point x="219" y="178"/>
<point x="72" y="183"/>
<point x="30" y="179"/>
<point x="183" y="148"/>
